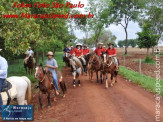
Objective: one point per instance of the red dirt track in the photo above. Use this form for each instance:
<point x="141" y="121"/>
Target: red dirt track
<point x="124" y="102"/>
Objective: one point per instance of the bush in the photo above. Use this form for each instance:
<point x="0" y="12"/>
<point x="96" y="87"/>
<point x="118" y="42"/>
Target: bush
<point x="149" y="60"/>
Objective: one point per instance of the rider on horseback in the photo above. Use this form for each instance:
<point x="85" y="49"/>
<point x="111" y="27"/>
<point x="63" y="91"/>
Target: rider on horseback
<point x="66" y="50"/>
<point x="52" y="66"/>
<point x="112" y="52"/>
<point x="79" y="54"/>
<point x="3" y="76"/>
<point x="29" y="53"/>
<point x="72" y="51"/>
<point x="85" y="50"/>
<point x="99" y="49"/>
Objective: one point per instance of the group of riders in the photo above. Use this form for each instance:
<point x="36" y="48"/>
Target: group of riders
<point x="79" y="51"/>
<point x="51" y="64"/>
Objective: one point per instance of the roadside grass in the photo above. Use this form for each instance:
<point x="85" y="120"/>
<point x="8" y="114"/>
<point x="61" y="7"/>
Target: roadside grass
<point x="144" y="61"/>
<point x="16" y="68"/>
<point x="140" y="79"/>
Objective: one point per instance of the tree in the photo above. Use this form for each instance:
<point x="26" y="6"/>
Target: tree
<point x="105" y="37"/>
<point x="17" y="34"/>
<point x="124" y="11"/>
<point x="121" y="44"/>
<point x="146" y="38"/>
<point x="96" y="24"/>
<point x="132" y="42"/>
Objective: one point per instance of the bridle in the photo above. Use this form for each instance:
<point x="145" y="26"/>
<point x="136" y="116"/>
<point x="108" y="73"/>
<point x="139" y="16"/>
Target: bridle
<point x="38" y="75"/>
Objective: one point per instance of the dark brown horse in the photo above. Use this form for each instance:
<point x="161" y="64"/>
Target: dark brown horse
<point x="109" y="67"/>
<point x="29" y="65"/>
<point x="46" y="83"/>
<point x="95" y="65"/>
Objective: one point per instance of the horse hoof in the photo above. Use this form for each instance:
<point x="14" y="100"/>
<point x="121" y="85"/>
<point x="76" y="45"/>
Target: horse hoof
<point x="48" y="106"/>
<point x="74" y="85"/>
<point x="79" y="85"/>
<point x="64" y="96"/>
<point x="111" y="85"/>
<point x="115" y="81"/>
<point x="106" y="87"/>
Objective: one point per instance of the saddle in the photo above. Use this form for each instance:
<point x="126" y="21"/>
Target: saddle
<point x="6" y="86"/>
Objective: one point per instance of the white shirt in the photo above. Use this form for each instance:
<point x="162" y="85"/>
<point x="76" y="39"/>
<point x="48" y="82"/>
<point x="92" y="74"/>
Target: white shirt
<point x="29" y="52"/>
<point x="3" y="68"/>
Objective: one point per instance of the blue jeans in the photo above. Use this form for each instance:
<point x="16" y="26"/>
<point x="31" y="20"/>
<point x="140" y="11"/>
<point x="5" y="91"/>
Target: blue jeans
<point x="1" y="102"/>
<point x="55" y="80"/>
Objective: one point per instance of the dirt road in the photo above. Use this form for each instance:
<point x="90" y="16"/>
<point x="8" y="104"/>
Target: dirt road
<point x="124" y="102"/>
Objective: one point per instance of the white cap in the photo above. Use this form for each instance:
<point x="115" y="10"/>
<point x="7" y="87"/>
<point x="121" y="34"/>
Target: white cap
<point x="0" y="49"/>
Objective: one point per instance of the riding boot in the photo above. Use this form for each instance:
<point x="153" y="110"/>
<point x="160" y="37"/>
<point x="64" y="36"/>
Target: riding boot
<point x="79" y="82"/>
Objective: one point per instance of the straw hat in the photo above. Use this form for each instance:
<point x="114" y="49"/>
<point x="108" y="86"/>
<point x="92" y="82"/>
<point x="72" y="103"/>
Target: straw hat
<point x="50" y="53"/>
<point x="78" y="44"/>
<point x="100" y="43"/>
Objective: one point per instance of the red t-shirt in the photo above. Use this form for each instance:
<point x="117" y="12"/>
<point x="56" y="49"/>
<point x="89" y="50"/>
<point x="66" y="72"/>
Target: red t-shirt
<point x="111" y="51"/>
<point x="71" y="52"/>
<point x="99" y="51"/>
<point x="78" y="52"/>
<point x="85" y="51"/>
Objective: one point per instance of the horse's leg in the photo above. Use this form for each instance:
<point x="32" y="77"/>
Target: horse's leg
<point x="48" y="98"/>
<point x="40" y="99"/>
<point x="97" y="76"/>
<point x="106" y="79"/>
<point x="74" y="82"/>
<point x="91" y="75"/>
<point x="116" y="74"/>
<point x="101" y="77"/>
<point x="112" y="81"/>
<point x="79" y="80"/>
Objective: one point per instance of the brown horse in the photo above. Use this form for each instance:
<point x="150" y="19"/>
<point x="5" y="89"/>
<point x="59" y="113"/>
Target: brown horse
<point x="95" y="65"/>
<point x="46" y="83"/>
<point x="45" y="86"/>
<point x="109" y="67"/>
<point x="29" y="65"/>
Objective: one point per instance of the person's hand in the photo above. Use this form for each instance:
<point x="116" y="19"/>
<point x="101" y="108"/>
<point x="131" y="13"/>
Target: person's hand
<point x="48" y="66"/>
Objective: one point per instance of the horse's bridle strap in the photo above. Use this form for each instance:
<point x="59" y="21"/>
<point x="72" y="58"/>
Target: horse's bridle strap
<point x="43" y="79"/>
<point x="108" y="65"/>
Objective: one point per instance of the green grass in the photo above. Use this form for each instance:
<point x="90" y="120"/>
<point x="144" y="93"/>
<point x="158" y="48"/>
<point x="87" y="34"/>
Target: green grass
<point x="140" y="79"/>
<point x="16" y="68"/>
<point x="144" y="61"/>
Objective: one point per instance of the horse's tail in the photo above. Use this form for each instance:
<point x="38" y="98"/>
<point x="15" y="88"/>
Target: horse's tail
<point x="28" y="93"/>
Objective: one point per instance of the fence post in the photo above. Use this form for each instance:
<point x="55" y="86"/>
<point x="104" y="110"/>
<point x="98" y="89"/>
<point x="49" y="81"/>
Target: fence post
<point x="124" y="60"/>
<point x="140" y="65"/>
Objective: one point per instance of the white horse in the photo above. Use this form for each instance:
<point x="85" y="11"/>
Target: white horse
<point x="77" y="69"/>
<point x="21" y="90"/>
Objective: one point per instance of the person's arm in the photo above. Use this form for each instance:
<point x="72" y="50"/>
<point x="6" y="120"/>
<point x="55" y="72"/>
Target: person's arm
<point x="4" y="67"/>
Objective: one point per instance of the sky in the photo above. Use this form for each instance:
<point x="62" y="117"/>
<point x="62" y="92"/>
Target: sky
<point x="118" y="31"/>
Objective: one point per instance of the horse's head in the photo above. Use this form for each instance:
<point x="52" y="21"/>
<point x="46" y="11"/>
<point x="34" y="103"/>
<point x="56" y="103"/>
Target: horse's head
<point x="39" y="71"/>
<point x="104" y="57"/>
<point x="93" y="58"/>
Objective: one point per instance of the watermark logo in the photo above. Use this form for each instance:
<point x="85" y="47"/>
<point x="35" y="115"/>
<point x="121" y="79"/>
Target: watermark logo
<point x="157" y="85"/>
<point x="17" y="112"/>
